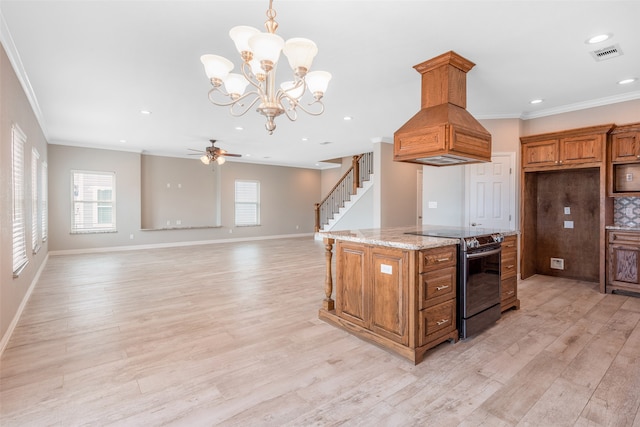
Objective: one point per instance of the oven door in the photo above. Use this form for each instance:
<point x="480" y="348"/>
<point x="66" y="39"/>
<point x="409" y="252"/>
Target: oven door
<point x="481" y="286"/>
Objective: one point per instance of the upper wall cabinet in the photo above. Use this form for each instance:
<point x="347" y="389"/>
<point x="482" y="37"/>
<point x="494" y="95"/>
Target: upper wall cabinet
<point x="624" y="155"/>
<point x="581" y="147"/>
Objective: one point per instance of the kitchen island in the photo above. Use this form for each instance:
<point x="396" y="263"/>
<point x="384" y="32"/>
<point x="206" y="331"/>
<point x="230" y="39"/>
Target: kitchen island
<point x="394" y="289"/>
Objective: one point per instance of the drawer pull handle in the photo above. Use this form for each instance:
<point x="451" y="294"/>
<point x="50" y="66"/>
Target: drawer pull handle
<point x="439" y="288"/>
<point x="510" y="246"/>
<point x="442" y="322"/>
<point x="510" y="266"/>
<point x="442" y="259"/>
<point x="510" y="292"/>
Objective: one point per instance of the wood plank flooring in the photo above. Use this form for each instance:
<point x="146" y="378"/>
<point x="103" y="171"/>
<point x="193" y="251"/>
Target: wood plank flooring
<point x="228" y="334"/>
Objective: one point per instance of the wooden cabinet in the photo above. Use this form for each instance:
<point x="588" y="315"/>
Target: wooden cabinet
<point x="623" y="261"/>
<point x="624" y="161"/>
<point x="625" y="143"/>
<point x="575" y="158"/>
<point x="437" y="295"/>
<point x="508" y="274"/>
<point x="560" y="149"/>
<point x="403" y="300"/>
<point x="372" y="288"/>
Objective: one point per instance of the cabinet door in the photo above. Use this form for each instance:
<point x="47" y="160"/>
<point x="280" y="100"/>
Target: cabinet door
<point x="540" y="153"/>
<point x="351" y="292"/>
<point x="389" y="289"/>
<point x="625" y="147"/>
<point x="581" y="149"/>
<point x="625" y="262"/>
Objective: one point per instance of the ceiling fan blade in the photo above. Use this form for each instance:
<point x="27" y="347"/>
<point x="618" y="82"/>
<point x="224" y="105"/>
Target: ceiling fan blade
<point x="231" y="155"/>
<point x="193" y="149"/>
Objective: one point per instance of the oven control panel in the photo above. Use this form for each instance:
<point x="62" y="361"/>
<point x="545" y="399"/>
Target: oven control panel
<point x="482" y="241"/>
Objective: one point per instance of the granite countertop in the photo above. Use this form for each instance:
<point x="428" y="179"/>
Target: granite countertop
<point x="622" y="228"/>
<point x="395" y="237"/>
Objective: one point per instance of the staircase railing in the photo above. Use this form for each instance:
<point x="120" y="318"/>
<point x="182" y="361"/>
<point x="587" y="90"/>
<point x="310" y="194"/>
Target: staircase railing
<point x="359" y="172"/>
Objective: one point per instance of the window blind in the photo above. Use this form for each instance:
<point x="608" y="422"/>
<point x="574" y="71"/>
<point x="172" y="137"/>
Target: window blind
<point x="44" y="188"/>
<point x="93" y="198"/>
<point x="35" y="202"/>
<point x="18" y="140"/>
<point x="247" y="203"/>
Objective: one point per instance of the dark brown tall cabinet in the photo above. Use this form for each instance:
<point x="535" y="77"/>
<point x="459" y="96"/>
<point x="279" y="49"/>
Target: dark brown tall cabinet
<point x="564" y="204"/>
<point x="623" y="238"/>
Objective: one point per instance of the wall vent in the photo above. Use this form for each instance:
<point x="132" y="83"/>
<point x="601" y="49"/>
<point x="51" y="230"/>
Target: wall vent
<point x="607" y="53"/>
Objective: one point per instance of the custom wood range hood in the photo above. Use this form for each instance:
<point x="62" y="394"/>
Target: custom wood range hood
<point x="443" y="132"/>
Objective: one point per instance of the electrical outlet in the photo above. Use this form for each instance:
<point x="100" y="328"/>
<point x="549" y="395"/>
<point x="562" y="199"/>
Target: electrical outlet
<point x="557" y="263"/>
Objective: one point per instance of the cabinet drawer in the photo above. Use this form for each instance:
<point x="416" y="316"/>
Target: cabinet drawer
<point x="508" y="265"/>
<point x="437" y="286"/>
<point x="625" y="237"/>
<point x="436" y="321"/>
<point x="508" y="289"/>
<point x="435" y="258"/>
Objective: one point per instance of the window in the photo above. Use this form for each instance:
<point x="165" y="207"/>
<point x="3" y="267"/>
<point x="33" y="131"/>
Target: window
<point x="35" y="201"/>
<point x="94" y="199"/>
<point x="44" y="199"/>
<point x="247" y="203"/>
<point x="18" y="140"/>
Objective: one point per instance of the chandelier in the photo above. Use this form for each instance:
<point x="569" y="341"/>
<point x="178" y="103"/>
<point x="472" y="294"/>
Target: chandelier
<point x="260" y="53"/>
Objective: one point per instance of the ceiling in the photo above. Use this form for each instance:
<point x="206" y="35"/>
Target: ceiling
<point x="91" y="66"/>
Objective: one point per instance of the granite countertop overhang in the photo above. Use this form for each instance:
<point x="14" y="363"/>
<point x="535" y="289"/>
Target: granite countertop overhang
<point x="395" y="237"/>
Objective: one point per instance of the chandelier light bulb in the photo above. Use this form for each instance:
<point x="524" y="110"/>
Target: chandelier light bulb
<point x="205" y="159"/>
<point x="216" y="66"/>
<point x="318" y="81"/>
<point x="300" y="53"/>
<point x="266" y="48"/>
<point x="291" y="89"/>
<point x="241" y="35"/>
<point x="235" y="84"/>
<point x="220" y="160"/>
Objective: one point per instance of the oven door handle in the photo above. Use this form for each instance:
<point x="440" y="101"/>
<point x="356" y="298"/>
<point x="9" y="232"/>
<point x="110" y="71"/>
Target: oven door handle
<point x="483" y="254"/>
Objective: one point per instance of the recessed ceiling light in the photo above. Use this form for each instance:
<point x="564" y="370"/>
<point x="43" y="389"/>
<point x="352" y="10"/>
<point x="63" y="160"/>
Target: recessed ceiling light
<point x="239" y="128"/>
<point x="305" y="139"/>
<point x="123" y="140"/>
<point x="347" y="118"/>
<point x="627" y="81"/>
<point x="535" y="101"/>
<point x="145" y="112"/>
<point x="247" y="155"/>
<point x="597" y="39"/>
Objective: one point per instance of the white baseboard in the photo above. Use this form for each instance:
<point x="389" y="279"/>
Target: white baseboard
<point x="7" y="335"/>
<point x="174" y="244"/>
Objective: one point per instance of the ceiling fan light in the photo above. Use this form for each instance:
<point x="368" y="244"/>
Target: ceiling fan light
<point x="205" y="159"/>
<point x="266" y="47"/>
<point x="216" y="66"/>
<point x="241" y="35"/>
<point x="300" y="53"/>
<point x="235" y="84"/>
<point x="318" y="81"/>
<point x="220" y="160"/>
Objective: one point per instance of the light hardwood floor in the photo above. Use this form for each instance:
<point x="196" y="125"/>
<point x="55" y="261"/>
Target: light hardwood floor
<point x="228" y="334"/>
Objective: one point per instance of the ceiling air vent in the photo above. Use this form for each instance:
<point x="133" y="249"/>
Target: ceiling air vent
<point x="607" y="53"/>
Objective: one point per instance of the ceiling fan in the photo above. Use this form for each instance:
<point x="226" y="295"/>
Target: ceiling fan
<point x="213" y="153"/>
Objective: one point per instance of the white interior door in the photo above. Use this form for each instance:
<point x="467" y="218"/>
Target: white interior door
<point x="491" y="193"/>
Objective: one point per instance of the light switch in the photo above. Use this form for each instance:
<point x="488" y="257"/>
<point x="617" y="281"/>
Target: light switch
<point x="567" y="210"/>
<point x="629" y="177"/>
<point x="433" y="205"/>
<point x="568" y="224"/>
